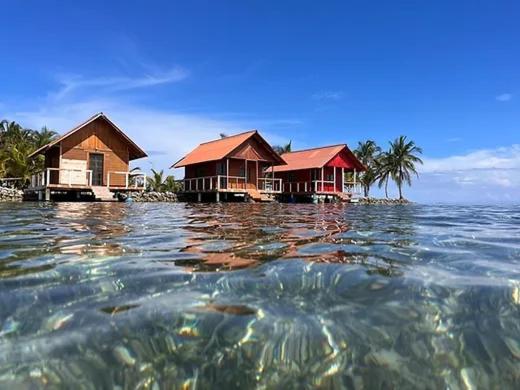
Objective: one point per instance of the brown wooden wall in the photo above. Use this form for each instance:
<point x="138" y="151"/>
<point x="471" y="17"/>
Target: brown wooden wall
<point x="99" y="137"/>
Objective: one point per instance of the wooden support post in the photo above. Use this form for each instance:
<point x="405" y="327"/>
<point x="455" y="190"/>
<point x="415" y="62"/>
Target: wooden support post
<point x="199" y="197"/>
<point x="217" y="197"/>
<point x="47" y="195"/>
<point x="334" y="179"/>
<point x="256" y="174"/>
<point x="227" y="173"/>
<point x="342" y="179"/>
<point x="245" y="173"/>
<point x="322" y="179"/>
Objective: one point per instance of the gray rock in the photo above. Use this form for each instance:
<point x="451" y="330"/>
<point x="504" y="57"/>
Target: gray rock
<point x="153" y="196"/>
<point x="10" y="195"/>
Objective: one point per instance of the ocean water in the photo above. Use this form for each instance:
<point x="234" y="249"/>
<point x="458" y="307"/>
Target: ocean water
<point x="274" y="296"/>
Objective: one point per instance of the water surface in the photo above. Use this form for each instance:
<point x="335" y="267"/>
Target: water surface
<point x="274" y="296"/>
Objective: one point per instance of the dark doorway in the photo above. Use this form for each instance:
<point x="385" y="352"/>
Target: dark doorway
<point x="251" y="174"/>
<point x="96" y="166"/>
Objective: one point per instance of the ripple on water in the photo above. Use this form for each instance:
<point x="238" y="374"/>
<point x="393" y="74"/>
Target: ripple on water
<point x="269" y="296"/>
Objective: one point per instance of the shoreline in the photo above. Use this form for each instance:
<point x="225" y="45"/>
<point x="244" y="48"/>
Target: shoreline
<point x="15" y="195"/>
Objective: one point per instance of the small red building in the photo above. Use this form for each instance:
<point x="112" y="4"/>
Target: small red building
<point x="235" y="164"/>
<point x="319" y="171"/>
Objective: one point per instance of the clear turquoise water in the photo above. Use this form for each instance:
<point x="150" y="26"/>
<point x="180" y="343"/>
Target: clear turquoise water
<point x="259" y="296"/>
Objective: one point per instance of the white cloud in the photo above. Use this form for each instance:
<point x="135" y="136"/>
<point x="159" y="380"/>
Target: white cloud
<point x="481" y="176"/>
<point x="503" y="158"/>
<point x="505" y="97"/>
<point x="166" y="135"/>
<point x="74" y="83"/>
<point x="328" y="95"/>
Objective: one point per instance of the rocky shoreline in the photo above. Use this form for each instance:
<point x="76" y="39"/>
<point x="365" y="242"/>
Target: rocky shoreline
<point x="153" y="196"/>
<point x="10" y="195"/>
<point x="383" y="201"/>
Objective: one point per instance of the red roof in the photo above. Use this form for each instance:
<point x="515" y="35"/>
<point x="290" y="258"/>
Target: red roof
<point x="135" y="151"/>
<point x="317" y="158"/>
<point x="221" y="148"/>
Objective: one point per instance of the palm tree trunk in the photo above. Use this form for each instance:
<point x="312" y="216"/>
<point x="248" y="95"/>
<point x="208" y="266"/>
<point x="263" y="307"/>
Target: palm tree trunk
<point x="400" y="183"/>
<point x="386" y="188"/>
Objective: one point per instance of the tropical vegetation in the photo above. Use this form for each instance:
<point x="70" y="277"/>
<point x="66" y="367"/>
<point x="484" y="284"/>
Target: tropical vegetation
<point x="16" y="144"/>
<point x="281" y="149"/>
<point x="158" y="183"/>
<point x="398" y="164"/>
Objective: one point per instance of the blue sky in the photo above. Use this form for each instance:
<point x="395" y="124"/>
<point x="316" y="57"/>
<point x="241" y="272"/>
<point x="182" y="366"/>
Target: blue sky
<point x="174" y="74"/>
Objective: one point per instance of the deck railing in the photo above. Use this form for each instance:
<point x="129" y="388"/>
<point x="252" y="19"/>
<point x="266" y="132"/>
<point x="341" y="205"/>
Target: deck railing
<point x="65" y="177"/>
<point x="322" y="186"/>
<point x="132" y="180"/>
<point x="62" y="177"/>
<point x="222" y="182"/>
<point x="267" y="184"/>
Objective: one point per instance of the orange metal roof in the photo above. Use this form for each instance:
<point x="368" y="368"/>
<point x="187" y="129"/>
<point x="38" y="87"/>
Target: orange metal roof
<point x="314" y="158"/>
<point x="135" y="151"/>
<point x="220" y="148"/>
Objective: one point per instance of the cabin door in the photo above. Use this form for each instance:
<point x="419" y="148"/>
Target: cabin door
<point x="96" y="163"/>
<point x="251" y="174"/>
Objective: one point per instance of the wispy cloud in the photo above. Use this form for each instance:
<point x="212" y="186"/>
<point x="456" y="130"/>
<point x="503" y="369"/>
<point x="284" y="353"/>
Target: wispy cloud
<point x="504" y="158"/>
<point x="166" y="135"/>
<point x="74" y="83"/>
<point x="328" y="95"/>
<point x="505" y="97"/>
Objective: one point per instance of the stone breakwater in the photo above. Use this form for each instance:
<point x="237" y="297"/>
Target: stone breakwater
<point x="153" y="196"/>
<point x="383" y="201"/>
<point x="10" y="195"/>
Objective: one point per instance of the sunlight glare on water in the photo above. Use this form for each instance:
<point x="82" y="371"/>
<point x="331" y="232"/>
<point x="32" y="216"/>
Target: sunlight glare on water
<point x="96" y="295"/>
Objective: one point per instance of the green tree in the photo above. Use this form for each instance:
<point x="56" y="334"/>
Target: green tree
<point x="155" y="182"/>
<point x="158" y="183"/>
<point x="403" y="161"/>
<point x="16" y="144"/>
<point x="368" y="153"/>
<point x="43" y="137"/>
<point x="281" y="149"/>
<point x="384" y="170"/>
<point x="171" y="185"/>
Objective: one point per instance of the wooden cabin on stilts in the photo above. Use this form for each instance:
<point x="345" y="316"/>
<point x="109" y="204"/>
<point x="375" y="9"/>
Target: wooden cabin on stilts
<point x="90" y="162"/>
<point x="236" y="168"/>
<point x="326" y="173"/>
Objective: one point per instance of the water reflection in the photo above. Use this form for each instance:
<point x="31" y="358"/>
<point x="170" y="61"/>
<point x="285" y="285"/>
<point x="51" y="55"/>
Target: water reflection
<point x="267" y="296"/>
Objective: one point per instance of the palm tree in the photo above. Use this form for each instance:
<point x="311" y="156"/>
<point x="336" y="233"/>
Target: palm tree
<point x="368" y="152"/>
<point x="43" y="137"/>
<point x="223" y="135"/>
<point x="156" y="181"/>
<point x="384" y="170"/>
<point x="402" y="162"/>
<point x="171" y="185"/>
<point x="281" y="149"/>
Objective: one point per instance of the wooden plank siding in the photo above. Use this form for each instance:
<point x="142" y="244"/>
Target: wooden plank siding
<point x="99" y="137"/>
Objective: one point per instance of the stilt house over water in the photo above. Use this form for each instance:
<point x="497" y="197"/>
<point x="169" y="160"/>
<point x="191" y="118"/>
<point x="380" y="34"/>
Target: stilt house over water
<point x="320" y="172"/>
<point x="90" y="160"/>
<point x="235" y="166"/>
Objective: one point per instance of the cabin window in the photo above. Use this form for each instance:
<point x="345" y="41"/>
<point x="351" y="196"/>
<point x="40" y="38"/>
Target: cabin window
<point x="199" y="172"/>
<point x="291" y="177"/>
<point x="221" y="168"/>
<point x="316" y="174"/>
<point x="242" y="171"/>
